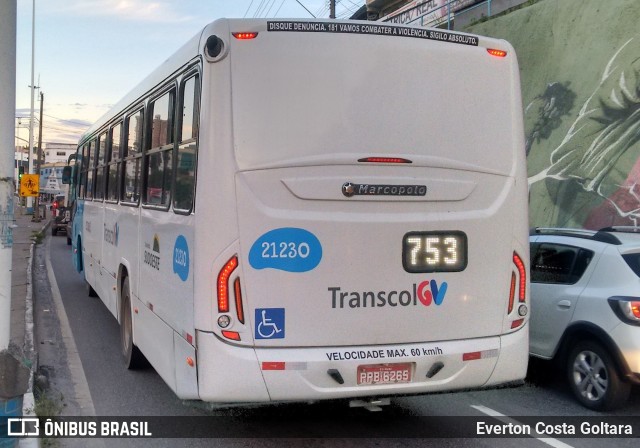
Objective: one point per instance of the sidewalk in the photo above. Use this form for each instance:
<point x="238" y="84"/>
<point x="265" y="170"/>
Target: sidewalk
<point x="25" y="234"/>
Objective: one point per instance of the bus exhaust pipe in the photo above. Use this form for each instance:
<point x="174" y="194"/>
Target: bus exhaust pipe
<point x="371" y="405"/>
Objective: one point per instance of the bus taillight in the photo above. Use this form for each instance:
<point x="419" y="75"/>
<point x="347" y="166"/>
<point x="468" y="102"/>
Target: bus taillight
<point x="245" y="36"/>
<point x="238" y="294"/>
<point x="496" y="52"/>
<point x="522" y="277"/>
<point x="519" y="287"/>
<point x="512" y="292"/>
<point x="223" y="284"/>
<point x="384" y="160"/>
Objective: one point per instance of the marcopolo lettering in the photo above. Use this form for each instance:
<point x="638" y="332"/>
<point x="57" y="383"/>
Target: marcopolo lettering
<point x="350" y="189"/>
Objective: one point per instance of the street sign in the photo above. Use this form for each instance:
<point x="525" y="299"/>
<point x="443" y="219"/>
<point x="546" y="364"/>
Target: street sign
<point x="30" y="185"/>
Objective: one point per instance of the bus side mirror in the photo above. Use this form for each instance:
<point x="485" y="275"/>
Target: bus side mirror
<point x="66" y="175"/>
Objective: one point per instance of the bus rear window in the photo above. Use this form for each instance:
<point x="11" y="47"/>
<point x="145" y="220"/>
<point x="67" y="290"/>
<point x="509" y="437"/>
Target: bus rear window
<point x="454" y="105"/>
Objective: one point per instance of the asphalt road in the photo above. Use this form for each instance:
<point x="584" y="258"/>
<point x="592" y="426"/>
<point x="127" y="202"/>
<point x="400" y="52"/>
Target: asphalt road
<point x="112" y="390"/>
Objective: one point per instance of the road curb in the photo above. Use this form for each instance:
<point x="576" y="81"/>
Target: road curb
<point x="28" y="403"/>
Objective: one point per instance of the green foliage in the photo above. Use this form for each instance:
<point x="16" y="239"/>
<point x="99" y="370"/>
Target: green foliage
<point x="37" y="237"/>
<point x="47" y="406"/>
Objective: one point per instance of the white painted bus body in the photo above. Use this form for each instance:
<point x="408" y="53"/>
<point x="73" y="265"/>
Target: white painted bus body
<point x="285" y="118"/>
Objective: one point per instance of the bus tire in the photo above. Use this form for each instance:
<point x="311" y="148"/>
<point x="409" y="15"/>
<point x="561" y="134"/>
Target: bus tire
<point x="90" y="291"/>
<point x="133" y="358"/>
<point x="78" y="254"/>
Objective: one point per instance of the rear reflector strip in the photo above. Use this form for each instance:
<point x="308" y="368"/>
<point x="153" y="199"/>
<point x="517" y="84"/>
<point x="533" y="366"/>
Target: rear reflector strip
<point x="187" y="337"/>
<point x="517" y="323"/>
<point x="279" y="365"/>
<point x="472" y="356"/>
<point x="233" y="335"/>
<point x="273" y="365"/>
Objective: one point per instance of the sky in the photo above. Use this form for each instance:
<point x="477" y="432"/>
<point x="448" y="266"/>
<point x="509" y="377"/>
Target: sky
<point x="90" y="53"/>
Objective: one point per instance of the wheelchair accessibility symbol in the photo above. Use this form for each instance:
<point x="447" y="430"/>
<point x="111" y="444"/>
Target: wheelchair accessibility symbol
<point x="269" y="323"/>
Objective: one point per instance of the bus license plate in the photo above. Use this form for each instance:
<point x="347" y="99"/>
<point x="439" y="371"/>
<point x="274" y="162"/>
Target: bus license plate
<point x="384" y="374"/>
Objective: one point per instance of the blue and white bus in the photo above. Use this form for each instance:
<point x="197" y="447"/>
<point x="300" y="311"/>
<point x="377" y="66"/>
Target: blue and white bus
<point x="308" y="210"/>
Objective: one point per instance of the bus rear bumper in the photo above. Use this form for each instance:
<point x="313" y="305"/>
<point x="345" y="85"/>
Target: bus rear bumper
<point x="237" y="374"/>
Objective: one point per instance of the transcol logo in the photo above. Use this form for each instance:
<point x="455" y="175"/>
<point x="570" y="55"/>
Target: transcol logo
<point x="424" y="293"/>
<point x="111" y="234"/>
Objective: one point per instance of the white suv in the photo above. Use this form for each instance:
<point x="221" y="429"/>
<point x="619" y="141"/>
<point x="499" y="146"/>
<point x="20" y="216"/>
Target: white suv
<point x="585" y="309"/>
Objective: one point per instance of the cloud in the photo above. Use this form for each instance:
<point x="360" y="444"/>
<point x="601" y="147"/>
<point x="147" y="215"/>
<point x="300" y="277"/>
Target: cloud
<point x="133" y="10"/>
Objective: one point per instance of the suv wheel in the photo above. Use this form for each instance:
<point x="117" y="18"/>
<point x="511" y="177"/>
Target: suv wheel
<point x="593" y="377"/>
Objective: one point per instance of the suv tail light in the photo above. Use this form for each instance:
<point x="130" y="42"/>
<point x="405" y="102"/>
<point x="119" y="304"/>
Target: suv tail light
<point x="626" y="308"/>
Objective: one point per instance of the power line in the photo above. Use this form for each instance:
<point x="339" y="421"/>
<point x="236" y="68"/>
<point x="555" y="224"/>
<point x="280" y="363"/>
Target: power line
<point x="247" y="11"/>
<point x="64" y="126"/>
<point x="322" y="10"/>
<point x="280" y="7"/>
<point x="257" y="12"/>
<point x="269" y="10"/>
<point x="74" y="122"/>
<point x="305" y="8"/>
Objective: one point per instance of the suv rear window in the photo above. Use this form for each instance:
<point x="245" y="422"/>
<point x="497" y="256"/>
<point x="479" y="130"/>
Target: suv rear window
<point x="633" y="260"/>
<point x="558" y="263"/>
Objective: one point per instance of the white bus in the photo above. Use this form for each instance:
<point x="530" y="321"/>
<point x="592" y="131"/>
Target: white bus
<point x="308" y="210"/>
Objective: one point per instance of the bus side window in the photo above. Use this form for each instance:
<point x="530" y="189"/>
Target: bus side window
<point x="188" y="145"/>
<point x="132" y="155"/>
<point x="159" y="155"/>
<point x="81" y="165"/>
<point x="100" y="166"/>
<point x="112" y="167"/>
<point x="90" y="169"/>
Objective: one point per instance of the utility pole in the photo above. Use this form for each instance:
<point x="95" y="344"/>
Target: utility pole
<point x="7" y="111"/>
<point x="36" y="213"/>
<point x="332" y="9"/>
<point x="33" y="91"/>
<point x="14" y="376"/>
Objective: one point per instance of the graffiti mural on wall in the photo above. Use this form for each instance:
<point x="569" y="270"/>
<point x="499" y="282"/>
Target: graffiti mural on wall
<point x="593" y="174"/>
<point x="555" y="103"/>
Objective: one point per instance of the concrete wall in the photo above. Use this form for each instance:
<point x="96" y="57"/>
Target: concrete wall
<point x="481" y="10"/>
<point x="580" y="73"/>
